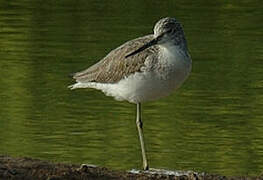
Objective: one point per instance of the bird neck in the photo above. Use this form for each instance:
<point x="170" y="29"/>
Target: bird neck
<point x="174" y="49"/>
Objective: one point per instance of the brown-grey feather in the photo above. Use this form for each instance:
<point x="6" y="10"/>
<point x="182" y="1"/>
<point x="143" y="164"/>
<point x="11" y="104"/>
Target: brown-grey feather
<point x="115" y="66"/>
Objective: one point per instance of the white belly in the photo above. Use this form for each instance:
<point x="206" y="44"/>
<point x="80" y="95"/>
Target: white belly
<point x="142" y="87"/>
<point x="148" y="85"/>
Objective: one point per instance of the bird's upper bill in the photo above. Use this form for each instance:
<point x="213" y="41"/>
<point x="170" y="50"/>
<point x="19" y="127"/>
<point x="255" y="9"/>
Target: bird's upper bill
<point x="145" y="46"/>
<point x="165" y="30"/>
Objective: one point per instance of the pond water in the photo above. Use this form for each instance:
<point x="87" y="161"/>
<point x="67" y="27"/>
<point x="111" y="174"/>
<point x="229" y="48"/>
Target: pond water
<point x="213" y="123"/>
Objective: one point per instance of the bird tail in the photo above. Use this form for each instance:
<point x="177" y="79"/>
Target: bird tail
<point x="71" y="87"/>
<point x="79" y="85"/>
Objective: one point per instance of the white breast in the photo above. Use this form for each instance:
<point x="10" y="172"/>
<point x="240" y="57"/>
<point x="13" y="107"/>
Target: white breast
<point x="171" y="70"/>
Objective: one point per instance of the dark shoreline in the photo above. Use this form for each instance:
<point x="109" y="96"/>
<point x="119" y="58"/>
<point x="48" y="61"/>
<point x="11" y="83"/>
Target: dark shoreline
<point x="32" y="169"/>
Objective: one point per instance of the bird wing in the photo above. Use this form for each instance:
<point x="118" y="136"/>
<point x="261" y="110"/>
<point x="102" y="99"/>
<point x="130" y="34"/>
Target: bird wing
<point x="115" y="66"/>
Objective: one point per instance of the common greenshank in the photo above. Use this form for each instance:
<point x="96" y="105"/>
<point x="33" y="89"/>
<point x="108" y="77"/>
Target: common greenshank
<point x="143" y="69"/>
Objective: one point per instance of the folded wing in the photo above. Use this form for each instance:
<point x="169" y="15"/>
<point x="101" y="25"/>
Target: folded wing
<point x="115" y="66"/>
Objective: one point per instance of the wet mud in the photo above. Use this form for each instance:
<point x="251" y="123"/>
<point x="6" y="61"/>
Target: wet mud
<point x="32" y="169"/>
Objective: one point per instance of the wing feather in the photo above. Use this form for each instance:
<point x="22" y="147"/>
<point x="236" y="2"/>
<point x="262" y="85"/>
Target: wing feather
<point x="115" y="66"/>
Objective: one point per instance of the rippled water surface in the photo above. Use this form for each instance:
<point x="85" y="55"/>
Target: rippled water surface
<point x="213" y="123"/>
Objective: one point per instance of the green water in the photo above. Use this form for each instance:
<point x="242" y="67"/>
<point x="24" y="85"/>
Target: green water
<point x="213" y="123"/>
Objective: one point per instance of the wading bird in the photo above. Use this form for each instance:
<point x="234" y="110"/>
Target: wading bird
<point x="142" y="69"/>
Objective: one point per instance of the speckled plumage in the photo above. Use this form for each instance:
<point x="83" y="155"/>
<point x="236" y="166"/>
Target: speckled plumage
<point x="115" y="66"/>
<point x="142" y="69"/>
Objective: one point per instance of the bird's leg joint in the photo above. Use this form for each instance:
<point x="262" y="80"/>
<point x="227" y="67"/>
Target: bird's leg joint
<point x="139" y="123"/>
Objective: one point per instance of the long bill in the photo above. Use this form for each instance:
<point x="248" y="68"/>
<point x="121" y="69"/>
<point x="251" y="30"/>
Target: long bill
<point x="145" y="46"/>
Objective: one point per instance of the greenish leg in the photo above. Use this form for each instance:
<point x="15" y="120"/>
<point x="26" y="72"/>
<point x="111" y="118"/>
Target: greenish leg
<point x="139" y="127"/>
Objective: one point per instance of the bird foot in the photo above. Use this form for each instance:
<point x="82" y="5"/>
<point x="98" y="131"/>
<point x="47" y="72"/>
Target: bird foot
<point x="84" y="167"/>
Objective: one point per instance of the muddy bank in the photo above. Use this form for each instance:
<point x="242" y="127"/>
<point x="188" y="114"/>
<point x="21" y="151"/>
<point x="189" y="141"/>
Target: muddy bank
<point x="32" y="169"/>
